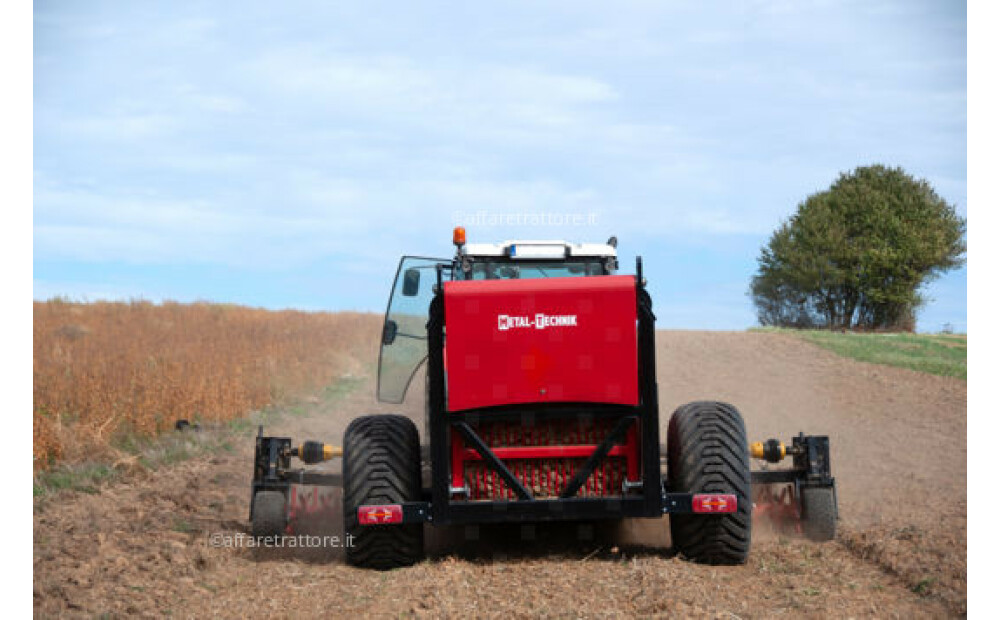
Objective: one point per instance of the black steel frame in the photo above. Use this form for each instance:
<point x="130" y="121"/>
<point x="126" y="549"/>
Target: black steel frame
<point x="552" y="510"/>
<point x="810" y="465"/>
<point x="272" y="468"/>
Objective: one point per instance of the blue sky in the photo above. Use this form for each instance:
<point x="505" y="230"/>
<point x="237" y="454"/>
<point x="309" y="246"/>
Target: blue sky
<point x="285" y="157"/>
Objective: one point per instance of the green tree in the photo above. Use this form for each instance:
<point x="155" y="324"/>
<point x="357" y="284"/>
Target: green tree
<point x="857" y="254"/>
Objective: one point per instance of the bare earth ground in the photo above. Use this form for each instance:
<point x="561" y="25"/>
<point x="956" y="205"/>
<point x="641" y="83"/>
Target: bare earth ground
<point x="899" y="454"/>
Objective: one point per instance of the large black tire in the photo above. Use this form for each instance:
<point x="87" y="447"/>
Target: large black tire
<point x="819" y="513"/>
<point x="381" y="466"/>
<point x="270" y="516"/>
<point x="707" y="452"/>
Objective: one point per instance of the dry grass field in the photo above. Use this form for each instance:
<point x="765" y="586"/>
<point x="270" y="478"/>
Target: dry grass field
<point x="105" y="373"/>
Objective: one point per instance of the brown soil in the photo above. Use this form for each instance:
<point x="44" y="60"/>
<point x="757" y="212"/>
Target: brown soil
<point x="141" y="546"/>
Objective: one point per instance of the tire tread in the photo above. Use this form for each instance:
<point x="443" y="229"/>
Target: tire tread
<point x="708" y="453"/>
<point x="269" y="514"/>
<point x="381" y="466"/>
<point x="819" y="513"/>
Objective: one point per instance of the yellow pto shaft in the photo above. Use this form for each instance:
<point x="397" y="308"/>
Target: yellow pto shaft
<point x="315" y="452"/>
<point x="771" y="450"/>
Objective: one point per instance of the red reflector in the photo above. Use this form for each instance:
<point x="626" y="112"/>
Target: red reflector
<point x="713" y="503"/>
<point x="378" y="515"/>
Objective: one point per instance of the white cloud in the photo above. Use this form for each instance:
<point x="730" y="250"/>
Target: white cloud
<point x="210" y="102"/>
<point x="43" y="290"/>
<point x="85" y="225"/>
<point x="120" y="127"/>
<point x="440" y="92"/>
<point x="711" y="221"/>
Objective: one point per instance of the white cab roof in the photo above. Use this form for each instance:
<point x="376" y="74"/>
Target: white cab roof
<point x="539" y="249"/>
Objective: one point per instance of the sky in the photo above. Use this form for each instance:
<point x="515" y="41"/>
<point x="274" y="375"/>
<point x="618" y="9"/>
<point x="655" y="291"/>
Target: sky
<point x="285" y="155"/>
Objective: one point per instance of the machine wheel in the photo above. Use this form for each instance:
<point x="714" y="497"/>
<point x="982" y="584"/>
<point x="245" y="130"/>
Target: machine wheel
<point x="269" y="515"/>
<point x="819" y="513"/>
<point x="381" y="466"/>
<point x="707" y="452"/>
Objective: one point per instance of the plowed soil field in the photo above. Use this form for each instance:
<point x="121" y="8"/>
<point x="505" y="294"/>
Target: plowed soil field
<point x="143" y="545"/>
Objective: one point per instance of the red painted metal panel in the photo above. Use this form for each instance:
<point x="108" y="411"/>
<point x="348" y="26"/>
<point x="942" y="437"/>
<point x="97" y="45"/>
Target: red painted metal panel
<point x="541" y="340"/>
<point x="542" y="452"/>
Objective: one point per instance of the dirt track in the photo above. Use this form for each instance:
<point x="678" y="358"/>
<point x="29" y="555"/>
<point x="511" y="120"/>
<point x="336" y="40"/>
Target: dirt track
<point x="899" y="455"/>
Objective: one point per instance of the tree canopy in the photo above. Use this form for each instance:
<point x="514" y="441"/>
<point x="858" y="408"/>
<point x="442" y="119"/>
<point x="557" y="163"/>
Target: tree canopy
<point x="857" y="254"/>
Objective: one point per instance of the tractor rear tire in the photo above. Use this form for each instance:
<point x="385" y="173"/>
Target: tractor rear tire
<point x="381" y="466"/>
<point x="707" y="452"/>
<point x="819" y="513"/>
<point x="270" y="516"/>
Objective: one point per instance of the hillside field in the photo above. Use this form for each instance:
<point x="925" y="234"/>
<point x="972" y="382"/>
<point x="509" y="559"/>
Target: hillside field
<point x="112" y="379"/>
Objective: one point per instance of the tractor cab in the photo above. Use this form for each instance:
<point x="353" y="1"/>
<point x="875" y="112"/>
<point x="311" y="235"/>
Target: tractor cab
<point x="513" y="260"/>
<point x="404" y="333"/>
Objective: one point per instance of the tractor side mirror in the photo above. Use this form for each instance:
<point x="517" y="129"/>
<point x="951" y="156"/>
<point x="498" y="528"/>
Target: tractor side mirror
<point x="389" y="331"/>
<point x="411" y="282"/>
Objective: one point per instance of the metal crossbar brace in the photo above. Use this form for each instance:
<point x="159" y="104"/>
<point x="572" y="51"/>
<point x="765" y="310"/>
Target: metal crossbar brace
<point x="596" y="457"/>
<point x="484" y="451"/>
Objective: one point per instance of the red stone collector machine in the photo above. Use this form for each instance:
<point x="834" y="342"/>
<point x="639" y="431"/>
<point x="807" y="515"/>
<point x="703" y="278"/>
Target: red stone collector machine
<point x="541" y="403"/>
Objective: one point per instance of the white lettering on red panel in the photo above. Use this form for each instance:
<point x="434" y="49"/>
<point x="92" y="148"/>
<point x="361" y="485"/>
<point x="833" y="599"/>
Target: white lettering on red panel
<point x="539" y="321"/>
